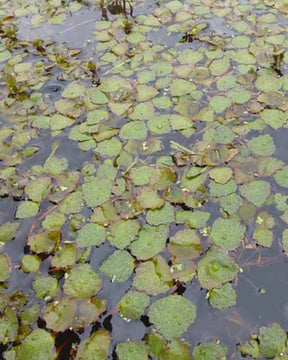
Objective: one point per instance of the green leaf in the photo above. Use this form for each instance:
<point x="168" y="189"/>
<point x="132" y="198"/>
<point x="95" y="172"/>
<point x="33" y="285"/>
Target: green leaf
<point x="224" y="135"/>
<point x="39" y="188"/>
<point x="152" y="277"/>
<point x="149" y="199"/>
<point x="194" y="219"/>
<point x="221" y="174"/>
<point x="30" y="315"/>
<point x="83" y="282"/>
<point x="159" y="124"/>
<point x="227" y="233"/>
<point x="66" y="257"/>
<point x="45" y="287"/>
<point x="164" y="215"/>
<point x="181" y="87"/>
<point x="111" y="147"/>
<point x="27" y="209"/>
<point x="151" y="241"/>
<point x="155" y="343"/>
<point x="44" y="242"/>
<point x="95" y="347"/>
<point x="54" y="221"/>
<point x="262" y="145"/>
<point x="209" y="351"/>
<point x="8" y="231"/>
<point x="231" y="203"/>
<point x="146" y="92"/>
<point x="216" y="268"/>
<point x="219" y="103"/>
<point x="222" y="298"/>
<point x="73" y="91"/>
<point x="5" y="267"/>
<point x="250" y="348"/>
<point x="55" y="165"/>
<point x="72" y="203"/>
<point x="60" y="122"/>
<point x="59" y="315"/>
<point x="218" y="190"/>
<point x="175" y="350"/>
<point x="123" y="232"/>
<point x="8" y="325"/>
<point x="90" y="235"/>
<point x="142" y="111"/>
<point x="38" y="345"/>
<point x="118" y="266"/>
<point x="185" y="244"/>
<point x="133" y="130"/>
<point x="285" y="240"/>
<point x="263" y="237"/>
<point x="133" y="304"/>
<point x="30" y="263"/>
<point x="132" y="351"/>
<point x="172" y="315"/>
<point x="272" y="340"/>
<point x="96" y="191"/>
<point x="275" y="118"/>
<point x="97" y="96"/>
<point x="281" y="177"/>
<point x="256" y="191"/>
<point x="219" y="66"/>
<point x="268" y="83"/>
<point x="141" y="175"/>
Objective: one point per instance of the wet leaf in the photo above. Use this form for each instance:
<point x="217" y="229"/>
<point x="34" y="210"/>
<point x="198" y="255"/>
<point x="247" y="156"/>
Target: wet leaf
<point x="227" y="233"/>
<point x="39" y="188"/>
<point x="8" y="231"/>
<point x="250" y="348"/>
<point x="96" y="191"/>
<point x="133" y="304"/>
<point x="45" y="287"/>
<point x="272" y="340"/>
<point x="5" y="267"/>
<point x="209" y="351"/>
<point x="151" y="241"/>
<point x="123" y="232"/>
<point x="83" y="282"/>
<point x="262" y="145"/>
<point x="39" y="344"/>
<point x="152" y="277"/>
<point x="221" y="174"/>
<point x="222" y="298"/>
<point x="172" y="315"/>
<point x="281" y="177"/>
<point x="73" y="91"/>
<point x="44" y="242"/>
<point x="131" y="351"/>
<point x="256" y="191"/>
<point x="118" y="266"/>
<point x="185" y="244"/>
<point x="27" y="209"/>
<point x="90" y="235"/>
<point x="96" y="346"/>
<point x="30" y="263"/>
<point x="263" y="237"/>
<point x="59" y="315"/>
<point x="135" y="130"/>
<point x="216" y="268"/>
<point x="149" y="199"/>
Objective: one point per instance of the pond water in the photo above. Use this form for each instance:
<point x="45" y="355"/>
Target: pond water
<point x="143" y="179"/>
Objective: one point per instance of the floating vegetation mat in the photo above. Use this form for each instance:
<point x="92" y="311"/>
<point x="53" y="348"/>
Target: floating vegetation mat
<point x="143" y="179"/>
